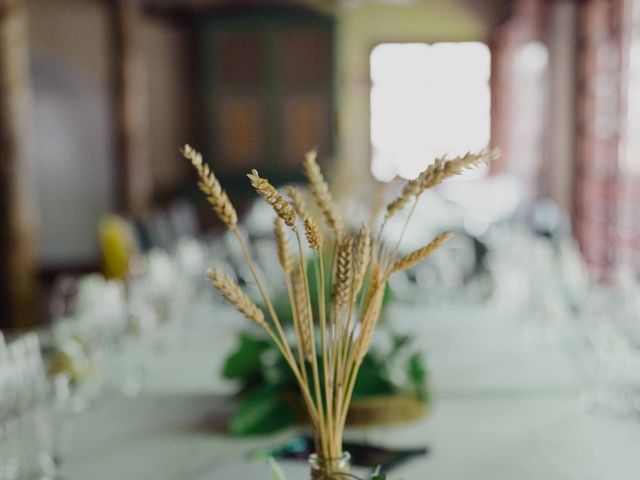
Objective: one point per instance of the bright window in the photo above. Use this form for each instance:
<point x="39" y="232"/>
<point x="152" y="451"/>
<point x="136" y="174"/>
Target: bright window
<point x="427" y="100"/>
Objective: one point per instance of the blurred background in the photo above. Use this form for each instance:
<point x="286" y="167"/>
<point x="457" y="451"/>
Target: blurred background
<point x="98" y="96"/>
<point x="527" y="316"/>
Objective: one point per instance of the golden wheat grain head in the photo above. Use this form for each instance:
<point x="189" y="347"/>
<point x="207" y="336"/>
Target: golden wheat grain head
<point x="267" y="191"/>
<point x="368" y="322"/>
<point x="304" y="317"/>
<point x="210" y="186"/>
<point x="297" y="199"/>
<point x="232" y="292"/>
<point x="421" y="253"/>
<point x="282" y="241"/>
<point x="341" y="291"/>
<point x="321" y="194"/>
<point x="361" y="256"/>
<point x="313" y="234"/>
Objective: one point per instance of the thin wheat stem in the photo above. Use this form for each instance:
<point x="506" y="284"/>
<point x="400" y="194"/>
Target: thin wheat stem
<point x="320" y="281"/>
<point x="314" y="360"/>
<point x="345" y="340"/>
<point x="322" y="399"/>
<point x="362" y="259"/>
<point x="296" y="330"/>
<point x="381" y="229"/>
<point x="333" y="387"/>
<point x="349" y="393"/>
<point x="263" y="292"/>
<point x="286" y="354"/>
<point x="346" y="361"/>
<point x="370" y="318"/>
<point x="346" y="336"/>
<point x="332" y="333"/>
<point x="394" y="253"/>
<point x="274" y="317"/>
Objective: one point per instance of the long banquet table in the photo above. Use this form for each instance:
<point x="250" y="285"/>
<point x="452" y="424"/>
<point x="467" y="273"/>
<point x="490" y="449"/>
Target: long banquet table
<point x="505" y="407"/>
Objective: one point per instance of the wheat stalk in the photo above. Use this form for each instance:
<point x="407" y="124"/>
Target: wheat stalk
<point x="435" y="173"/>
<point x="362" y="255"/>
<point x="313" y="234"/>
<point x="210" y="186"/>
<point x="409" y="191"/>
<point x="232" y="292"/>
<point x="303" y="316"/>
<point x="282" y="241"/>
<point x="344" y="273"/>
<point x="444" y="168"/>
<point x="297" y="200"/>
<point x="322" y="195"/>
<point x="369" y="321"/>
<point x="267" y="191"/>
<point x="418" y="255"/>
<point x="357" y="260"/>
<point x="370" y="317"/>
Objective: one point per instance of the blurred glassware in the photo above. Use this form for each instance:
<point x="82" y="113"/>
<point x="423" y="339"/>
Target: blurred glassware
<point x="606" y="347"/>
<point x="9" y="453"/>
<point x="63" y="416"/>
<point x="456" y="274"/>
<point x="26" y="440"/>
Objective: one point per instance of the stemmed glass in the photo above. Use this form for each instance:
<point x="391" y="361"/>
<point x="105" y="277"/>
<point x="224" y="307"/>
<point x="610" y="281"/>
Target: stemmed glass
<point x="25" y="445"/>
<point x="607" y="347"/>
<point x="9" y="453"/>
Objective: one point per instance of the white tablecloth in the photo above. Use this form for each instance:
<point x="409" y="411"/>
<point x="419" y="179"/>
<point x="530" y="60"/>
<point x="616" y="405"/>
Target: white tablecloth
<point x="505" y="407"/>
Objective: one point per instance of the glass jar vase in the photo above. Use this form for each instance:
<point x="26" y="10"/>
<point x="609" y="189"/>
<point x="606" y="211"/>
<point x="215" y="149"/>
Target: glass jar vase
<point x="323" y="468"/>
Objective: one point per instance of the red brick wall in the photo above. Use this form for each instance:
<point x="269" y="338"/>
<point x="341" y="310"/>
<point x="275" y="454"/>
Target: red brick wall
<point x="606" y="199"/>
<point x="524" y="26"/>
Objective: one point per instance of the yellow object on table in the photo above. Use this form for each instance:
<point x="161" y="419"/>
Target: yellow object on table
<point x="118" y="246"/>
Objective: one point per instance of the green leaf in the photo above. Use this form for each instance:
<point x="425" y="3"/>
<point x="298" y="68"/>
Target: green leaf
<point x="399" y="342"/>
<point x="262" y="411"/>
<point x="282" y="307"/>
<point x="276" y="471"/>
<point x="418" y="376"/>
<point x="373" y="378"/>
<point x="376" y="475"/>
<point x="244" y="361"/>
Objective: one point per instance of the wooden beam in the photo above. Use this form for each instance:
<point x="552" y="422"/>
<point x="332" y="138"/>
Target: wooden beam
<point x="130" y="114"/>
<point x="18" y="215"/>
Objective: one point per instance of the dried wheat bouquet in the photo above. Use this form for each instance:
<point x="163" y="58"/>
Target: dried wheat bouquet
<point x="331" y="342"/>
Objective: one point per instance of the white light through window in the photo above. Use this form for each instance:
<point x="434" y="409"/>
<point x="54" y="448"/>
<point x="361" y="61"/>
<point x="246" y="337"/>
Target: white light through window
<point x="426" y="101"/>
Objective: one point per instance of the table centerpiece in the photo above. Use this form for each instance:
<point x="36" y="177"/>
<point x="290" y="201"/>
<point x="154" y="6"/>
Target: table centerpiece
<point x="332" y="339"/>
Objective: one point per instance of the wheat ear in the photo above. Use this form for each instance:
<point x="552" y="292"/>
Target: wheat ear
<point x="344" y="274"/>
<point x="444" y="168"/>
<point x="297" y="199"/>
<point x="409" y="191"/>
<point x="369" y="322"/>
<point x="313" y="234"/>
<point x="282" y="240"/>
<point x="302" y="308"/>
<point x="418" y="255"/>
<point x="320" y="191"/>
<point x="232" y="292"/>
<point x="362" y="255"/>
<point x="210" y="186"/>
<point x="435" y="173"/>
<point x="273" y="198"/>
